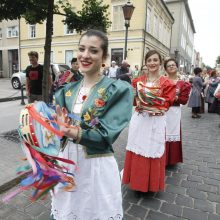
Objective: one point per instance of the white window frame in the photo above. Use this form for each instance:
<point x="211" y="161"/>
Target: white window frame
<point x="161" y="30"/>
<point x="183" y="42"/>
<point x="118" y="22"/>
<point x="156" y="29"/>
<point x="66" y="62"/>
<point x="68" y="31"/>
<point x="12" y="31"/>
<point x="148" y="23"/>
<point x="51" y="56"/>
<point x="32" y="31"/>
<point x="168" y="36"/>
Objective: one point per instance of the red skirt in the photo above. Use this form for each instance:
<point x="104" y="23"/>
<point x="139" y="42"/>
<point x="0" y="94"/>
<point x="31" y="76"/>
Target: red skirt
<point x="174" y="153"/>
<point x="144" y="174"/>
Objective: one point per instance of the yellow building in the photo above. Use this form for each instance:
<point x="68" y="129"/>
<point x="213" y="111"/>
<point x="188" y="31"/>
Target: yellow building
<point x="150" y="28"/>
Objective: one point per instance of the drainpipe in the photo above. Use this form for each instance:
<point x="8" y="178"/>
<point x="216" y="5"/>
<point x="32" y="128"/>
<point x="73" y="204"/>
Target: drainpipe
<point x="145" y="34"/>
<point x="171" y="34"/>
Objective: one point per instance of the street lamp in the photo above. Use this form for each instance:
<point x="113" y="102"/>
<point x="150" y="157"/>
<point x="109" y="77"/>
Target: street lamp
<point x="176" y="54"/>
<point x="128" y="9"/>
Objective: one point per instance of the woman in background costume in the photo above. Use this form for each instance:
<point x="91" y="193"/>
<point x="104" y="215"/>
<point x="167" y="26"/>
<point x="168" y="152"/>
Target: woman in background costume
<point x="104" y="106"/>
<point x="196" y="92"/>
<point x="144" y="168"/>
<point x="174" y="153"/>
<point x="212" y="84"/>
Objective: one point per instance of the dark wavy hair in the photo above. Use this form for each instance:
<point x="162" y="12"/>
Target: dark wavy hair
<point x="152" y="52"/>
<point x="168" y="60"/>
<point x="101" y="35"/>
<point x="197" y="70"/>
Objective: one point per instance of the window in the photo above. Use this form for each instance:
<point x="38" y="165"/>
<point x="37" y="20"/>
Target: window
<point x="117" y="55"/>
<point x="68" y="31"/>
<point x="156" y="30"/>
<point x="68" y="57"/>
<point x="12" y="31"/>
<point x="32" y="31"/>
<point x="183" y="42"/>
<point x="185" y="21"/>
<point x="190" y="34"/>
<point x="0" y="33"/>
<point x="118" y="18"/>
<point x="51" y="56"/>
<point x="164" y="34"/>
<point x="148" y="23"/>
<point x="168" y="36"/>
<point x="161" y="30"/>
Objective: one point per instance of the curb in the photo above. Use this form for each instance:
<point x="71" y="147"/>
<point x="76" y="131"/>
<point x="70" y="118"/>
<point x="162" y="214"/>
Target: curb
<point x="11" y="183"/>
<point x="12" y="98"/>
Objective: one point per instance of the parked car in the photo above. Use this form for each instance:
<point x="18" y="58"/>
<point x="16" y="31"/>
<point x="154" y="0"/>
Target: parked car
<point x="19" y="78"/>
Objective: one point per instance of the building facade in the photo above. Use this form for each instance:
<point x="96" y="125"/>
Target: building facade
<point x="150" y="28"/>
<point x="183" y="33"/>
<point x="9" y="47"/>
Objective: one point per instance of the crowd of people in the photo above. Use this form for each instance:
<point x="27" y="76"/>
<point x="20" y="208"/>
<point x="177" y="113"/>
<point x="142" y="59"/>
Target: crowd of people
<point x="204" y="84"/>
<point x="104" y="104"/>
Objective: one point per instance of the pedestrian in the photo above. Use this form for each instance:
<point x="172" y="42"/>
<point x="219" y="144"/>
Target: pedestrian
<point x="135" y="80"/>
<point x="34" y="78"/>
<point x="136" y="72"/>
<point x="144" y="168"/>
<point x="202" y="108"/>
<point x="123" y="72"/>
<point x="174" y="153"/>
<point x="112" y="70"/>
<point x="143" y="70"/>
<point x="196" y="92"/>
<point x="215" y="106"/>
<point x="212" y="85"/>
<point x="104" y="106"/>
<point x="71" y="75"/>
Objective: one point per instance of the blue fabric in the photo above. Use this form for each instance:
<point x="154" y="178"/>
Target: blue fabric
<point x="53" y="147"/>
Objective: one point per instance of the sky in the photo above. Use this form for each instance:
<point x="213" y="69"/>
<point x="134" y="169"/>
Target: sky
<point x="206" y="18"/>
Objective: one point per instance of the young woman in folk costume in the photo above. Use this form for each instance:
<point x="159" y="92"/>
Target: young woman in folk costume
<point x="144" y="168"/>
<point x="104" y="106"/>
<point x="173" y="115"/>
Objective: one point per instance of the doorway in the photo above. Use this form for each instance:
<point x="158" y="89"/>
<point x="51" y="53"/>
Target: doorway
<point x="68" y="57"/>
<point x="12" y="62"/>
<point x="117" y="55"/>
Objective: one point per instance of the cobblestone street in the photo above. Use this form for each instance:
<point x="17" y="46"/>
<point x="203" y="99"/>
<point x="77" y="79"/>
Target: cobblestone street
<point x="192" y="188"/>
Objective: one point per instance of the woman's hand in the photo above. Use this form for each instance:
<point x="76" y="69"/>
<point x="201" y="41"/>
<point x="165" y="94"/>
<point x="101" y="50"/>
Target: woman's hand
<point x="65" y="123"/>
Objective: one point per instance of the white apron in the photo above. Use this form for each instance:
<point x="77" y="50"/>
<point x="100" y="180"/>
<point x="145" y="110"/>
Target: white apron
<point x="146" y="135"/>
<point x="173" y="116"/>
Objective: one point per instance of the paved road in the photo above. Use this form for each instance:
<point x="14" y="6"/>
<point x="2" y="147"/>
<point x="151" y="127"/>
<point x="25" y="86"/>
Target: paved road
<point x="192" y="188"/>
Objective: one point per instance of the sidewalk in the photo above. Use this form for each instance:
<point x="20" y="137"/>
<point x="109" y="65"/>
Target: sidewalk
<point x="7" y="92"/>
<point x="192" y="188"/>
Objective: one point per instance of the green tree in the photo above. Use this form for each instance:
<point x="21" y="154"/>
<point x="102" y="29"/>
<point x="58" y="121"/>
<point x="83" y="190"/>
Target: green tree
<point x="218" y="60"/>
<point x="93" y="15"/>
<point x="208" y="67"/>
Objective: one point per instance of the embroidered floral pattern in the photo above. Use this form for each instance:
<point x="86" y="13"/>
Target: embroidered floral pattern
<point x="99" y="103"/>
<point x="72" y="216"/>
<point x="91" y="116"/>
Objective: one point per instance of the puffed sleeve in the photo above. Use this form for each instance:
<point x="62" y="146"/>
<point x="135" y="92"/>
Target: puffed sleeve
<point x="134" y="86"/>
<point x="169" y="93"/>
<point x="184" y="93"/>
<point x="116" y="115"/>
